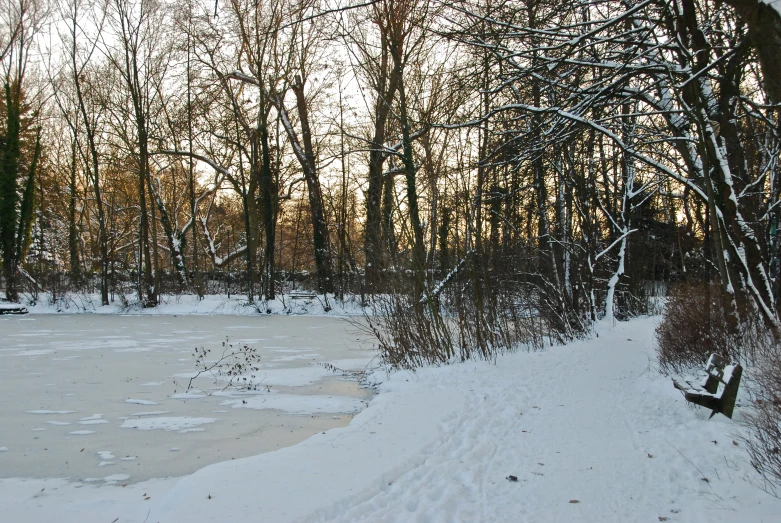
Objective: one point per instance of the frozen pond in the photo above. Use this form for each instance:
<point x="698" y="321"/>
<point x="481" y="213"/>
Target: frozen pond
<point x="98" y="398"/>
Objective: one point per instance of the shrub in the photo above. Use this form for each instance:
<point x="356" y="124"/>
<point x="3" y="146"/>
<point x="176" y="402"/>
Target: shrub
<point x="463" y="317"/>
<point x="764" y="421"/>
<point x="694" y="325"/>
<point x="230" y="365"/>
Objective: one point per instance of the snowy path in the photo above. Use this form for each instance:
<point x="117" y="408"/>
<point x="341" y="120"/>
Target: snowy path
<point x="572" y="423"/>
<point x="587" y="422"/>
<point x="591" y="421"/>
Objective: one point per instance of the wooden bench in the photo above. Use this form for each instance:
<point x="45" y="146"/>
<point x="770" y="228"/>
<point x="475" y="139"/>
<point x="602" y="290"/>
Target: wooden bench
<point x="718" y="390"/>
<point x="6" y="308"/>
<point x="302" y="295"/>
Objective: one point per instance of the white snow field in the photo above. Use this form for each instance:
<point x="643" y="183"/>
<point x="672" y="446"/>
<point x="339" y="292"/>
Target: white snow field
<point x="590" y="430"/>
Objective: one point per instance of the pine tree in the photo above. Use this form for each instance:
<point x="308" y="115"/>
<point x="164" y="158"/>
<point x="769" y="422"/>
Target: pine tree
<point x="17" y="191"/>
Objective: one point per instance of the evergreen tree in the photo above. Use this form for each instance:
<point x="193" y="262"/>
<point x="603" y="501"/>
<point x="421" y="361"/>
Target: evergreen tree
<point x="17" y="190"/>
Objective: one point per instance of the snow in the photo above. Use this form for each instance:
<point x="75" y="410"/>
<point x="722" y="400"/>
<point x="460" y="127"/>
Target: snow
<point x="591" y="422"/>
<point x="297" y="404"/>
<point x="186" y="304"/>
<point x="189" y="395"/>
<point x="299" y="376"/>
<point x="728" y="370"/>
<point x="775" y="4"/>
<point x="151" y="413"/>
<point x="114" y="478"/>
<point x="94" y="422"/>
<point x="140" y="402"/>
<point x="5" y="306"/>
<point x="166" y="423"/>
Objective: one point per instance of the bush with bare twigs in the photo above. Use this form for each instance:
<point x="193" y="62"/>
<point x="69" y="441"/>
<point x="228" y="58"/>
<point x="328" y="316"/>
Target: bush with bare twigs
<point x="462" y="318"/>
<point x="763" y="423"/>
<point x="230" y="365"/>
<point x="695" y="325"/>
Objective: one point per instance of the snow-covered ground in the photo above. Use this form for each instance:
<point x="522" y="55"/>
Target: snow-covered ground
<point x="295" y="303"/>
<point x="590" y="431"/>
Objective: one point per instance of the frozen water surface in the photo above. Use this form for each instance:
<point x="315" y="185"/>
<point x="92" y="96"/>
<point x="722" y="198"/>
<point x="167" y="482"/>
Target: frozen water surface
<point x="63" y="369"/>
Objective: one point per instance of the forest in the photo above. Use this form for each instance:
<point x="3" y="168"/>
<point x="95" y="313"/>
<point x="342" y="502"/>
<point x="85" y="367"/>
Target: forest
<point x="477" y="175"/>
<point x="572" y="158"/>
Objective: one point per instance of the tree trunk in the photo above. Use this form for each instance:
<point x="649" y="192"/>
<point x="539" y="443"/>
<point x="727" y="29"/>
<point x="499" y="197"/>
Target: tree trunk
<point x="306" y="157"/>
<point x="410" y="173"/>
<point x="73" y="233"/>
<point x="764" y="30"/>
<point x="268" y="200"/>
<point x="374" y="245"/>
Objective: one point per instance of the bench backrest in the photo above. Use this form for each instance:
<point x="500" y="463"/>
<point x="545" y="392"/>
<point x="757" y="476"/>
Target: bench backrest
<point x="715" y="370"/>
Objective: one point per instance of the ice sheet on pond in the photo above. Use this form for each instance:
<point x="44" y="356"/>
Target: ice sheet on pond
<point x="91" y="387"/>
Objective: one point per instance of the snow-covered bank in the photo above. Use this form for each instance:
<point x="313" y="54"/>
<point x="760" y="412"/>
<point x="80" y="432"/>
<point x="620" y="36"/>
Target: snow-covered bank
<point x="590" y="430"/>
<point x="213" y="304"/>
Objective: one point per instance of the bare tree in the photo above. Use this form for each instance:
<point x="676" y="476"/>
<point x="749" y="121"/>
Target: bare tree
<point x="81" y="48"/>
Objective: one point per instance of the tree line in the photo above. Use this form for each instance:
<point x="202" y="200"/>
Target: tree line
<point x="583" y="152"/>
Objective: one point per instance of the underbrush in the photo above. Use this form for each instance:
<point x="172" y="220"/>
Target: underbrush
<point x="764" y="421"/>
<point x="694" y="325"/>
<point x="463" y="317"/>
